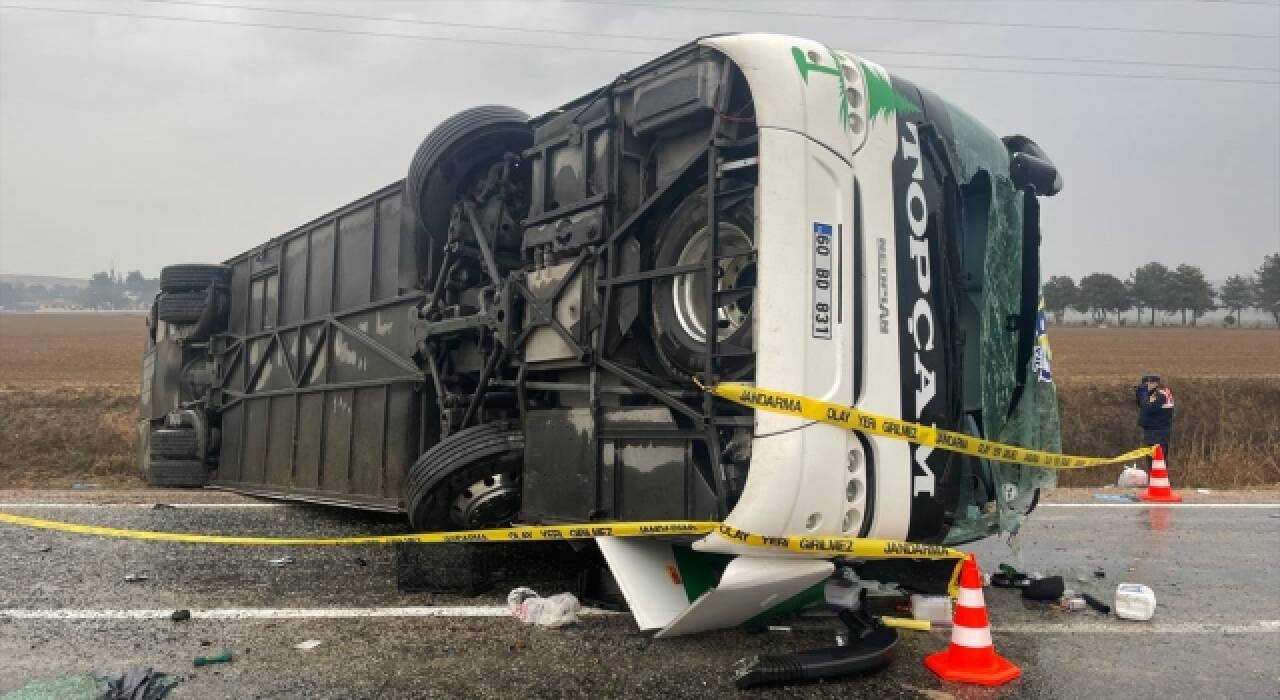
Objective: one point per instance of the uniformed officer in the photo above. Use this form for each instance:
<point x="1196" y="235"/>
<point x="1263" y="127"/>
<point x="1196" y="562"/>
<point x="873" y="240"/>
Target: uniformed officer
<point x="1155" y="412"/>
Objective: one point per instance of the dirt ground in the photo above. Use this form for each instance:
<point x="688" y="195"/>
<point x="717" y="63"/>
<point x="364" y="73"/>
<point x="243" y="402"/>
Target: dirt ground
<point x="1125" y="354"/>
<point x="106" y="348"/>
<point x="71" y="349"/>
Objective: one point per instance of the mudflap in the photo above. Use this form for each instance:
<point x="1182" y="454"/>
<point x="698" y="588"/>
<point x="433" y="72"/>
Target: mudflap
<point x="678" y="591"/>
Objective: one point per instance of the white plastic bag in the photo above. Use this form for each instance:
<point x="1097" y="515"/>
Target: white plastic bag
<point x="1132" y="478"/>
<point x="555" y="611"/>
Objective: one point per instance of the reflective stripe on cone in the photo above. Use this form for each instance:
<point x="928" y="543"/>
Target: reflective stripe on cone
<point x="971" y="637"/>
<point x="971" y="598"/>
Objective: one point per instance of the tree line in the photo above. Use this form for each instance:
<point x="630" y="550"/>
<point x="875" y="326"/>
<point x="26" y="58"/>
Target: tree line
<point x="1154" y="288"/>
<point x="106" y="290"/>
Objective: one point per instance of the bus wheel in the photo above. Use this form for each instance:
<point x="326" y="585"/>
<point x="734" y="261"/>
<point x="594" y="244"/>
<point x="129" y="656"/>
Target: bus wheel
<point x="454" y="153"/>
<point x="470" y="480"/>
<point x="176" y="473"/>
<point x="679" y="303"/>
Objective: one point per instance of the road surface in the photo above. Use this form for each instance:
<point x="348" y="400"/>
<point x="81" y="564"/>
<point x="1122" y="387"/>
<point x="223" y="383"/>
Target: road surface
<point x="65" y="608"/>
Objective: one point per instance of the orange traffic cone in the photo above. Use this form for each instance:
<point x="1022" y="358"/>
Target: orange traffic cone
<point x="971" y="658"/>
<point x="1158" y="490"/>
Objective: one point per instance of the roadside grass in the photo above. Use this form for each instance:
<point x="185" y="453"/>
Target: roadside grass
<point x="59" y="436"/>
<point x="1226" y="431"/>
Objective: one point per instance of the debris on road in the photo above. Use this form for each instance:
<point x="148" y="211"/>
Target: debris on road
<point x="1073" y="603"/>
<point x="282" y="562"/>
<point x="1096" y="604"/>
<point x="906" y="623"/>
<point x="883" y="598"/>
<point x="138" y="683"/>
<point x="180" y="615"/>
<point x="866" y="645"/>
<point x="1009" y="577"/>
<point x="308" y="645"/>
<point x="83" y="487"/>
<point x="1045" y="589"/>
<point x="1135" y="601"/>
<point x="779" y="628"/>
<point x="223" y="657"/>
<point x="556" y="611"/>
<point x="1115" y="497"/>
<point x="77" y="686"/>
<point x="1132" y="478"/>
<point x="164" y="506"/>
<point x="935" y="608"/>
<point x="136" y="578"/>
<point x="842" y="592"/>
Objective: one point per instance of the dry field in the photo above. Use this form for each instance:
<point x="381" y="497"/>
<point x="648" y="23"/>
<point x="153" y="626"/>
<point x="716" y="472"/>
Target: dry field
<point x="71" y="350"/>
<point x="1125" y="354"/>
<point x="68" y="397"/>
<point x="68" y="394"/>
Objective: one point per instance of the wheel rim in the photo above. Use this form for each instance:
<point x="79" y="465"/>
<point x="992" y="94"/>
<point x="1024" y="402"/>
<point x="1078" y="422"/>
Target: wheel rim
<point x="489" y="501"/>
<point x="689" y="291"/>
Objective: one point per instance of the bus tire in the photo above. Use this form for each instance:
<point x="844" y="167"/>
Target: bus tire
<point x="176" y="473"/>
<point x="469" y="480"/>
<point x="452" y="154"/>
<point x="181" y="307"/>
<point x="174" y="443"/>
<point x="192" y="277"/>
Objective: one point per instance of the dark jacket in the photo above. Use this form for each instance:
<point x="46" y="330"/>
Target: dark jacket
<point x="1155" y="414"/>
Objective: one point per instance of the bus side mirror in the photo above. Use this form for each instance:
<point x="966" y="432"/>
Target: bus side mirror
<point x="1031" y="168"/>
<point x="1038" y="174"/>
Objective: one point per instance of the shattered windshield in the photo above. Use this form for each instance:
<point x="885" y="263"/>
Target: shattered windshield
<point x="996" y="221"/>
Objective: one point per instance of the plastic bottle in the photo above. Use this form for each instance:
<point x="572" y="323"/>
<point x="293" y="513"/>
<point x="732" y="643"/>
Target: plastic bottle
<point x="1134" y="601"/>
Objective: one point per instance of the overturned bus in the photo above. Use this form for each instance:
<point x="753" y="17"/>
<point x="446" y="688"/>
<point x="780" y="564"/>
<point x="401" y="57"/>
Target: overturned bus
<point x="513" y="332"/>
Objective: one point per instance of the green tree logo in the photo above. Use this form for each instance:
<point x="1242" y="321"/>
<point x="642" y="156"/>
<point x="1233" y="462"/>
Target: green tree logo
<point x="806" y="67"/>
<point x="882" y="98"/>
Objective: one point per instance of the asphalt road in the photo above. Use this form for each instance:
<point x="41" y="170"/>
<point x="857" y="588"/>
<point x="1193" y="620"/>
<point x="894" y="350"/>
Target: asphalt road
<point x="65" y="608"/>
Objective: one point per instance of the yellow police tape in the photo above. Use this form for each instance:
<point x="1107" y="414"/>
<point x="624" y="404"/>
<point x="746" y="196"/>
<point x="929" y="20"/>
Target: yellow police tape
<point x="834" y="546"/>
<point x="851" y="418"/>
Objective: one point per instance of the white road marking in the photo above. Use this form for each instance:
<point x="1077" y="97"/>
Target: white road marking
<point x="145" y="505"/>
<point x="269" y="613"/>
<point x="1159" y="505"/>
<point x="73" y="614"/>
<point x="1157" y="628"/>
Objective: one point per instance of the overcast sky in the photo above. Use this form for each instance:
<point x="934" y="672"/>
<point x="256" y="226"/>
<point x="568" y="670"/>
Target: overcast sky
<point x="146" y="142"/>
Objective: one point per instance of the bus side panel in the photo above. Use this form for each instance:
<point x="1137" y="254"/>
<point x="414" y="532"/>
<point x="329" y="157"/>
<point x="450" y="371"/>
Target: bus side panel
<point x="320" y="395"/>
